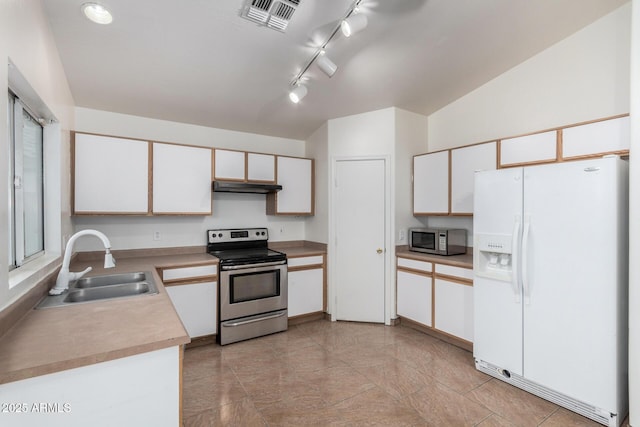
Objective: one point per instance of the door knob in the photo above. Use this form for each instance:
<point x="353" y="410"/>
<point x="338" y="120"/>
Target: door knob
<point x="379" y="250"/>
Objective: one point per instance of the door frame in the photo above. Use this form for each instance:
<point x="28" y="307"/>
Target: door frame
<point x="389" y="250"/>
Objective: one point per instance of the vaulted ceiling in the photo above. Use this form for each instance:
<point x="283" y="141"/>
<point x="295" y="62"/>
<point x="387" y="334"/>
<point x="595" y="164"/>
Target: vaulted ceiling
<point x="202" y="62"/>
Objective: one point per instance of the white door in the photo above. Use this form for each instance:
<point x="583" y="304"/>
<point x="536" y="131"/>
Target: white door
<point x="497" y="309"/>
<point x="359" y="212"/>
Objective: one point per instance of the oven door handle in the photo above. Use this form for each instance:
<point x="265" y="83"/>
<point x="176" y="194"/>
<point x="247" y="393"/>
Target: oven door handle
<point x="260" y="264"/>
<point x="259" y="319"/>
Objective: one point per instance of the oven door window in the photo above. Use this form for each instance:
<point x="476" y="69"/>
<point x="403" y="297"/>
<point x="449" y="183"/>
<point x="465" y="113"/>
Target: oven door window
<point x="254" y="286"/>
<point x="424" y="240"/>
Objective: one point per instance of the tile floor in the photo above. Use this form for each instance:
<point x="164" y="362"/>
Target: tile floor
<point x="349" y="374"/>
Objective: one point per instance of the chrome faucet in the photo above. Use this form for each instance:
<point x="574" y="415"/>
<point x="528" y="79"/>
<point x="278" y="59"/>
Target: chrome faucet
<point x="65" y="276"/>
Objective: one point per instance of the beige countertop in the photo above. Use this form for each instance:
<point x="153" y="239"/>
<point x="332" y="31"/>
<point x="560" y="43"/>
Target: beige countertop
<point x="464" y="261"/>
<point x="60" y="338"/>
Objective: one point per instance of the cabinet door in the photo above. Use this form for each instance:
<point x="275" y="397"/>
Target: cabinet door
<point x="230" y="165"/>
<point x="110" y="175"/>
<point x="536" y="148"/>
<point x="297" y="180"/>
<point x="305" y="291"/>
<point x="607" y="136"/>
<point x="465" y="162"/>
<point x="261" y="167"/>
<point x="454" y="308"/>
<point x="196" y="305"/>
<point x="181" y="179"/>
<point x="431" y="183"/>
<point x="414" y="297"/>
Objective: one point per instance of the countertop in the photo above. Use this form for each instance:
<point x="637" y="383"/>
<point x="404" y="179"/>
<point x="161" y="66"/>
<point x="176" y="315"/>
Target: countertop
<point x="60" y="338"/>
<point x="464" y="261"/>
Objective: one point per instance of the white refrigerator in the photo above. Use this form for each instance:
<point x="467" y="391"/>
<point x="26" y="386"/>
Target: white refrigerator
<point x="551" y="283"/>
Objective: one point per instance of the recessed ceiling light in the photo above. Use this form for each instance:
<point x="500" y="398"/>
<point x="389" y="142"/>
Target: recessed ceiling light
<point x="97" y="13"/>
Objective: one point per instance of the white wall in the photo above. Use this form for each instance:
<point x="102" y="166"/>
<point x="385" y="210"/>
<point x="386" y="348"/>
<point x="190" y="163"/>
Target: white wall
<point x="410" y="139"/>
<point x="317" y="147"/>
<point x="27" y="42"/>
<point x="584" y="77"/>
<point x="229" y="210"/>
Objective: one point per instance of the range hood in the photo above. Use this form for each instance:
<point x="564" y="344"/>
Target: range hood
<point x="244" y="187"/>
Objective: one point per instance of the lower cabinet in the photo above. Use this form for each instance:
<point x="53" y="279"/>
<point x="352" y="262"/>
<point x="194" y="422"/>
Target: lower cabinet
<point x="306" y="285"/>
<point x="438" y="296"/>
<point x="414" y="291"/>
<point x="454" y="308"/>
<point x="194" y="293"/>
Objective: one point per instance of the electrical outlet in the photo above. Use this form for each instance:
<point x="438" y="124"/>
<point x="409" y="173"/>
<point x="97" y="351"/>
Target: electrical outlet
<point x="401" y="235"/>
<point x="156" y="235"/>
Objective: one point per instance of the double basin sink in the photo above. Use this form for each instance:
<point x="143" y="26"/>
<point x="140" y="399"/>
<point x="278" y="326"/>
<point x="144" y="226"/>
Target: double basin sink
<point x="101" y="288"/>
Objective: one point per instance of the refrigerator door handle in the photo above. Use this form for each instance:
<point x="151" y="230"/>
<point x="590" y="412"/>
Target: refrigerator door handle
<point x="515" y="254"/>
<point x="525" y="256"/>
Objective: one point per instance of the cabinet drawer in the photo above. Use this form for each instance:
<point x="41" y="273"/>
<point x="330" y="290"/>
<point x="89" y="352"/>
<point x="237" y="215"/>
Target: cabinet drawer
<point x="413" y="264"/>
<point x="190" y="272"/>
<point x="449" y="270"/>
<point x="305" y="261"/>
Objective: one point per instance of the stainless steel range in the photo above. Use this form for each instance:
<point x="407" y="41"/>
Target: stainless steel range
<point x="253" y="284"/>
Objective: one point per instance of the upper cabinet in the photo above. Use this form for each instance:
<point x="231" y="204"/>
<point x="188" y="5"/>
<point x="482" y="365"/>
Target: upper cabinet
<point x="529" y="149"/>
<point x="120" y="176"/>
<point x="431" y="183"/>
<point x="296" y="175"/>
<point x="602" y="137"/>
<point x="110" y="175"/>
<point x="181" y="179"/>
<point x="465" y="162"/>
<point x="231" y="165"/>
<point x="261" y="168"/>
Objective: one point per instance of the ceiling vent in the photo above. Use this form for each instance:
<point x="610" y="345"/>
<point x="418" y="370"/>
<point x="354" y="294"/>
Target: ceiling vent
<point x="274" y="14"/>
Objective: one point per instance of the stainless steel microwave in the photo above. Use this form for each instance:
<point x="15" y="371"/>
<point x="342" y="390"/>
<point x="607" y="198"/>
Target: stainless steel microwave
<point x="438" y="241"/>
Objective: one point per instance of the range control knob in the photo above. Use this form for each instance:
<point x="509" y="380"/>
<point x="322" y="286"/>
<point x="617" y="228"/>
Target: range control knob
<point x="262" y="233"/>
<point x="220" y="235"/>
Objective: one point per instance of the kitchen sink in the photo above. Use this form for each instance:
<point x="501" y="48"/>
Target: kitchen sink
<point x="111" y="279"/>
<point x="101" y="288"/>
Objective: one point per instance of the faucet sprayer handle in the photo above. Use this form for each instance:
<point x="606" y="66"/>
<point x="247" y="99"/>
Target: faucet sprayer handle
<point x="79" y="274"/>
<point x="109" y="260"/>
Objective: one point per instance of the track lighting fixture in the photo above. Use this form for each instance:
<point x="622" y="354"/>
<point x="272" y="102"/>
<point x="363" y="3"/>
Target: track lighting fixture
<point x="325" y="64"/>
<point x="353" y="24"/>
<point x="297" y="93"/>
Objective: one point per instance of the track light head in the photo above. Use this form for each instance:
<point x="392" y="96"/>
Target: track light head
<point x="326" y="65"/>
<point x="297" y="93"/>
<point x="353" y="24"/>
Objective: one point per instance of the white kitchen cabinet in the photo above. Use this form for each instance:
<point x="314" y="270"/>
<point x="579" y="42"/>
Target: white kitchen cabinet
<point x="465" y="161"/>
<point x="196" y="305"/>
<point x="431" y="183"/>
<point x="181" y="179"/>
<point x="535" y="148"/>
<point x="110" y="393"/>
<point x="194" y="293"/>
<point x="305" y="285"/>
<point x="261" y="167"/>
<point x="606" y="136"/>
<point x="230" y="165"/>
<point x="296" y="175"/>
<point x="110" y="175"/>
<point x="453" y="301"/>
<point x="414" y="296"/>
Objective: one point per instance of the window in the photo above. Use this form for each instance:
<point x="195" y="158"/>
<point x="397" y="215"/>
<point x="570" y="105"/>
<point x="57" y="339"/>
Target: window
<point x="26" y="185"/>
